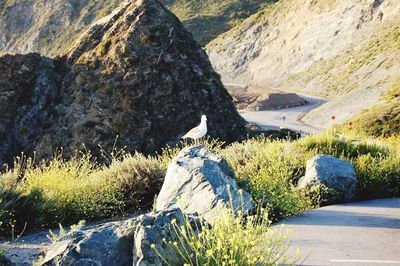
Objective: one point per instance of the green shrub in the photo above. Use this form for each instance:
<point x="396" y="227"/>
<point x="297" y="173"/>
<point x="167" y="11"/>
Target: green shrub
<point x="266" y="169"/>
<point x="12" y="204"/>
<point x="139" y="179"/>
<point x="269" y="170"/>
<point x="230" y="240"/>
<point x="67" y="191"/>
<point x="378" y="177"/>
<point x="382" y="119"/>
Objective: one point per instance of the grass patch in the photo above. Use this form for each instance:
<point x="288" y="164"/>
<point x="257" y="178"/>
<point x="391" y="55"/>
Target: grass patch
<point x="69" y="190"/>
<point x="382" y="120"/>
<point x="208" y="19"/>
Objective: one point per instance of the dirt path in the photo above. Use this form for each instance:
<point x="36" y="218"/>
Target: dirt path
<point x="26" y="250"/>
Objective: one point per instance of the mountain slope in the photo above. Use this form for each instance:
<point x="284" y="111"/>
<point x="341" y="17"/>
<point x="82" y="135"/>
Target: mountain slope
<point x="50" y="26"/>
<point x="207" y="19"/>
<point x="47" y="26"/>
<point x="380" y="120"/>
<point x="136" y="74"/>
<point x="332" y="48"/>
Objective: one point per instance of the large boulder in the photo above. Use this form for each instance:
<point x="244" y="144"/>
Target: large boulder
<point x="201" y="181"/>
<point x="122" y="243"/>
<point x="153" y="228"/>
<point x="110" y="243"/>
<point x="331" y="172"/>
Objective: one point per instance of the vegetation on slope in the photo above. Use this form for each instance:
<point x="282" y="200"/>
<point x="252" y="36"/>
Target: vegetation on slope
<point x="380" y="120"/>
<point x="209" y="18"/>
<point x="52" y="30"/>
<point x="340" y="73"/>
<point x="66" y="191"/>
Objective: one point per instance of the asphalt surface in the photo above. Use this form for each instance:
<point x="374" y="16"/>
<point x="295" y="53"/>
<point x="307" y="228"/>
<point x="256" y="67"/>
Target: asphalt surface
<point x="362" y="233"/>
<point x="286" y="117"/>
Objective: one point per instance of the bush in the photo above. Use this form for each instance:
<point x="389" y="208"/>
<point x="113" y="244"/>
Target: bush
<point x="139" y="179"/>
<point x="67" y="191"/>
<point x="12" y="204"/>
<point x="382" y="119"/>
<point x="230" y="240"/>
<point x="378" y="177"/>
<point x="267" y="169"/>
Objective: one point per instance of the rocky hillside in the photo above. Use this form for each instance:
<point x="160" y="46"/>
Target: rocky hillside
<point x="50" y="26"/>
<point x="207" y="19"/>
<point x="47" y="26"/>
<point x="347" y="51"/>
<point x="137" y="74"/>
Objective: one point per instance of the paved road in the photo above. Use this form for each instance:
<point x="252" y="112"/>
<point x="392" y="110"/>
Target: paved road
<point x="363" y="233"/>
<point x="267" y="119"/>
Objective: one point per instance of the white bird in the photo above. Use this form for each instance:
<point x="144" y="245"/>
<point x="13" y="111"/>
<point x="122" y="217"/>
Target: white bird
<point x="197" y="132"/>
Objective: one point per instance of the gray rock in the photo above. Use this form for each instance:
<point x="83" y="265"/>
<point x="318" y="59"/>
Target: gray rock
<point x="5" y="261"/>
<point x="152" y="228"/>
<point x="332" y="172"/>
<point x="121" y="243"/>
<point x="197" y="181"/>
<point x="106" y="244"/>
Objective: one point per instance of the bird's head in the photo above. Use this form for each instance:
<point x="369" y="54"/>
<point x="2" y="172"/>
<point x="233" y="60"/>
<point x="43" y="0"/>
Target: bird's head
<point x="203" y="118"/>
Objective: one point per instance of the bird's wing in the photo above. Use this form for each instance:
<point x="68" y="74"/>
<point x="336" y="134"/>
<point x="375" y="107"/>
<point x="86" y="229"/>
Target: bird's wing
<point x="192" y="132"/>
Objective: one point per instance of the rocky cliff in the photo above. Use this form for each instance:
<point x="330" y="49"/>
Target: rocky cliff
<point x="347" y="51"/>
<point x="137" y="74"/>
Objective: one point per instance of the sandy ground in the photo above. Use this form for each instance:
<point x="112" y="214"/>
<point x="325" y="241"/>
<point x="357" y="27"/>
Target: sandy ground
<point x="359" y="233"/>
<point x="251" y="98"/>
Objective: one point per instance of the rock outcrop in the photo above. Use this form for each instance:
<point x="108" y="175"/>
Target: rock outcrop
<point x="152" y="228"/>
<point x="200" y="181"/>
<point x="105" y="244"/>
<point x="137" y="74"/>
<point x="121" y="243"/>
<point x="29" y="95"/>
<point x="333" y="173"/>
